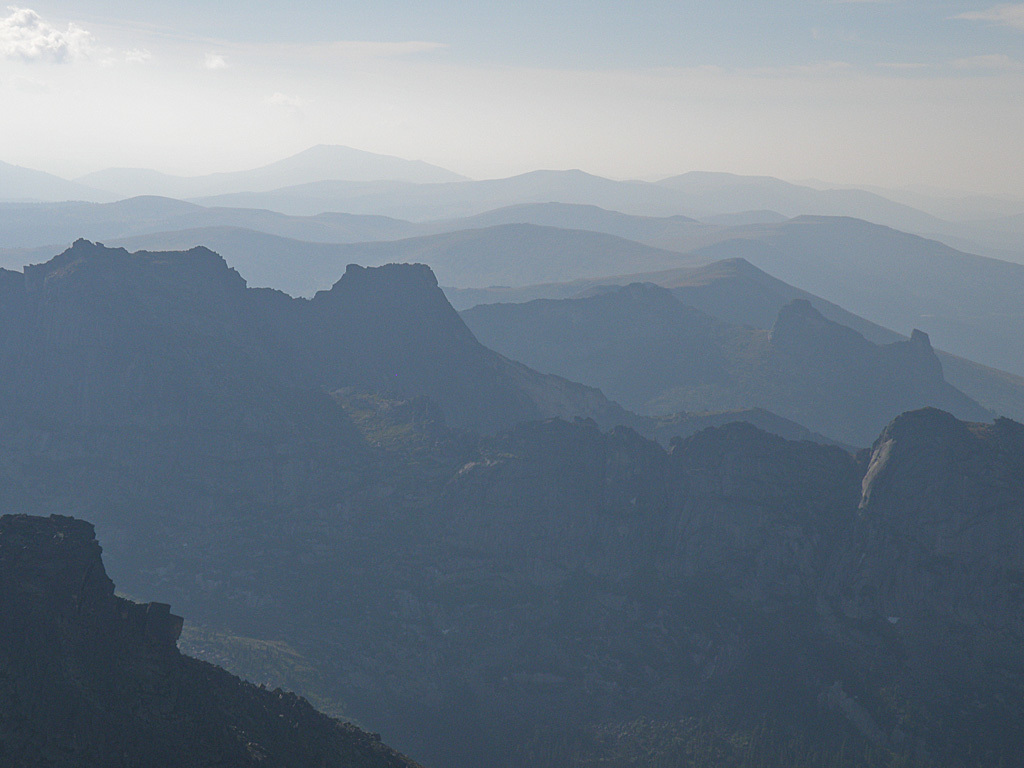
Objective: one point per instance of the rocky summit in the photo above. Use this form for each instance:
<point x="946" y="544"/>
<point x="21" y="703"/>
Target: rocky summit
<point x="91" y="680"/>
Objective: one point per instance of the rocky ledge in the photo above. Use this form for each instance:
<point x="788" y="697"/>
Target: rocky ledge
<point x="91" y="679"/>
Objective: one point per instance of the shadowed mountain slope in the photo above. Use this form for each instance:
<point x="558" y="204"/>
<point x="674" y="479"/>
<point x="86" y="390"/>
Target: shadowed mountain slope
<point x="90" y="680"/>
<point x="655" y="354"/>
<point x="101" y="336"/>
<point x="970" y="305"/>
<point x="541" y="596"/>
<point x="737" y="292"/>
<point x="555" y="592"/>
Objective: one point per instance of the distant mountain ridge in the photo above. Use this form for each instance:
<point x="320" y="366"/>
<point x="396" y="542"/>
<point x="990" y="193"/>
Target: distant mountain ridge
<point x="24" y="185"/>
<point x="737" y="292"/>
<point x="320" y="163"/>
<point x="654" y="354"/>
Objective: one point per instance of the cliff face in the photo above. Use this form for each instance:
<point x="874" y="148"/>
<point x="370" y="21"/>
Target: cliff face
<point x="90" y="679"/>
<point x="934" y="567"/>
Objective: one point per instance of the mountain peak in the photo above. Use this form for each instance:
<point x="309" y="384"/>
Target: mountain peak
<point x="920" y="338"/>
<point x="802" y="328"/>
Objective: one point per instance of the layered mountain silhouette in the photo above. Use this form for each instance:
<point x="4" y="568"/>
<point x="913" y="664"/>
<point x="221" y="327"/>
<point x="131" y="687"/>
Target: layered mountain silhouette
<point x="317" y="163"/>
<point x="42" y="226"/>
<point x="723" y="193"/>
<point x="653" y="353"/>
<point x="513" y="254"/>
<point x="737" y="292"/>
<point x="966" y="303"/>
<point x="18" y="184"/>
<point x="281" y="471"/>
<point x="90" y="680"/>
<point x="969" y="304"/>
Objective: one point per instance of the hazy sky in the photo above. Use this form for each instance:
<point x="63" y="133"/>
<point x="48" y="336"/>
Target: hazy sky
<point x="892" y="93"/>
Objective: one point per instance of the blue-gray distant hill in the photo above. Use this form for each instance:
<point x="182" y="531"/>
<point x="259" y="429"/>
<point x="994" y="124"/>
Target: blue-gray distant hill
<point x="696" y="195"/>
<point x="648" y="350"/>
<point x="724" y="193"/>
<point x="319" y="163"/>
<point x="422" y="202"/>
<point x="737" y="292"/>
<point x="57" y="225"/>
<point x="972" y="306"/>
<point x="18" y="184"/>
<point x="714" y="198"/>
<point x="513" y="254"/>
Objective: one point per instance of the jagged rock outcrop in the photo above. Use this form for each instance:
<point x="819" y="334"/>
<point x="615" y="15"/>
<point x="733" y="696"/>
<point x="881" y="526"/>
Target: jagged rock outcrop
<point x="90" y="680"/>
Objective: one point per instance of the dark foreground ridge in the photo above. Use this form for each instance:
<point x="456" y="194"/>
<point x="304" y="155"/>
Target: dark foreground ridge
<point x="91" y="679"/>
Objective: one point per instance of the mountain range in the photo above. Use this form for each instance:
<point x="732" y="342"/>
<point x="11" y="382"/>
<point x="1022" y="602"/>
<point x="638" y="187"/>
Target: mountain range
<point x="738" y="293"/>
<point x="966" y="303"/>
<point x="331" y="178"/>
<point x="18" y="184"/>
<point x="322" y="162"/>
<point x="671" y="490"/>
<point x="353" y="498"/>
<point x="657" y="355"/>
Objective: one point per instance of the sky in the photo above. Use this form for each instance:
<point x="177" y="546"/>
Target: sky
<point x="894" y="93"/>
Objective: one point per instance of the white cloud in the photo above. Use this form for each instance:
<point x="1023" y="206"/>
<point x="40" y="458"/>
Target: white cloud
<point x="1009" y="15"/>
<point x="25" y="35"/>
<point x="137" y="56"/>
<point x="215" y="61"/>
<point x="284" y="100"/>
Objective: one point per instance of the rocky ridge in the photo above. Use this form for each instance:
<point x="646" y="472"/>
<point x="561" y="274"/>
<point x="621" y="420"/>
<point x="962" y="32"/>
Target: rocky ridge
<point x="91" y="679"/>
<point x="647" y="349"/>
